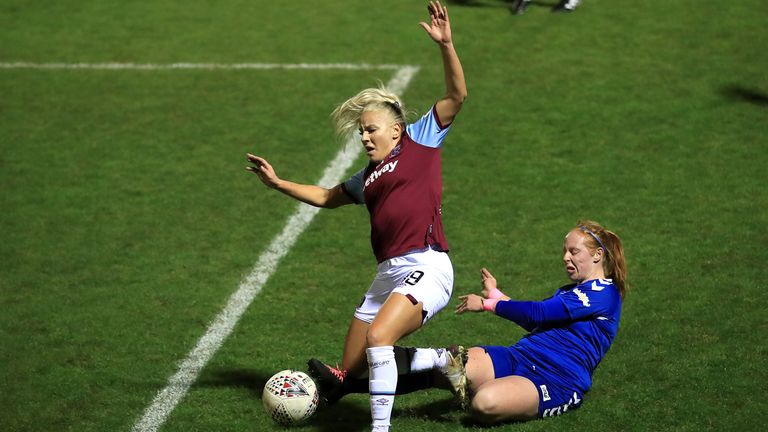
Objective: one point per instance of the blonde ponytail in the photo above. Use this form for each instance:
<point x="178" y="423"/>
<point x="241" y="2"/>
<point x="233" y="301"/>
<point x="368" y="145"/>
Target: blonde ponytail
<point x="346" y="117"/>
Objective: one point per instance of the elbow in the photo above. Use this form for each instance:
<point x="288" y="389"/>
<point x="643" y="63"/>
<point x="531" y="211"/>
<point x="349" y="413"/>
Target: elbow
<point x="459" y="97"/>
<point x="332" y="198"/>
<point x="463" y="96"/>
<point x="325" y="203"/>
<point x="457" y="100"/>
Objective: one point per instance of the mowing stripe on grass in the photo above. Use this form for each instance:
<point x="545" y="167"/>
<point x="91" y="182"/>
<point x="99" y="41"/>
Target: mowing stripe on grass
<point x="178" y="385"/>
<point x="204" y="66"/>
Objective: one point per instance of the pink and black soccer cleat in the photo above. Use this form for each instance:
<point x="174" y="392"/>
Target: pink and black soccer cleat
<point x="329" y="378"/>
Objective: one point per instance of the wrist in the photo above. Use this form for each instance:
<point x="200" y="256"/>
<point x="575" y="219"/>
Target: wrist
<point x="495" y="294"/>
<point x="279" y="185"/>
<point x="489" y="304"/>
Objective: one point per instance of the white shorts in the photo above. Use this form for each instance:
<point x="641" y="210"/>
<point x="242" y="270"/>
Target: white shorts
<point x="424" y="277"/>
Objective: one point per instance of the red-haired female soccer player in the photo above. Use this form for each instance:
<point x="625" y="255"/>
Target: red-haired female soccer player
<point x="548" y="371"/>
<point x="402" y="188"/>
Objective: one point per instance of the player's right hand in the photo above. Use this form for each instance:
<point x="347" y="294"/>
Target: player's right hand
<point x="263" y="169"/>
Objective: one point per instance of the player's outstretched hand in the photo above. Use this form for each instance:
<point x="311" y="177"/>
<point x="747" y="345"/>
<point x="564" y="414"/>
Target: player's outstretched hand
<point x="488" y="282"/>
<point x="470" y="303"/>
<point x="439" y="27"/>
<point x="263" y="169"/>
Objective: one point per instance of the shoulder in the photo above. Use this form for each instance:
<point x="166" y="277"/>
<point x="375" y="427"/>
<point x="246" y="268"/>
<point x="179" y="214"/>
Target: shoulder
<point x="428" y="130"/>
<point x="597" y="293"/>
<point x="353" y="186"/>
<point x="598" y="290"/>
<point x="604" y="286"/>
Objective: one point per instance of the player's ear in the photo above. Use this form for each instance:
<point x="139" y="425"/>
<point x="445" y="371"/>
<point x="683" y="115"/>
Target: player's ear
<point x="598" y="255"/>
<point x="397" y="131"/>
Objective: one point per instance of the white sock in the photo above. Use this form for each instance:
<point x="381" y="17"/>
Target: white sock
<point x="382" y="370"/>
<point x="572" y="4"/>
<point x="428" y="358"/>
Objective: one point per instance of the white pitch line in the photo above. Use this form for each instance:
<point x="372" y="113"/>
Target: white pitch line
<point x="203" y="66"/>
<point x="178" y="385"/>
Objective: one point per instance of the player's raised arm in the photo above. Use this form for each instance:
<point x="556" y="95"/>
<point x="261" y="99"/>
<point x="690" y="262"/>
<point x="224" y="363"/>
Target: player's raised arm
<point x="439" y="29"/>
<point x="313" y="195"/>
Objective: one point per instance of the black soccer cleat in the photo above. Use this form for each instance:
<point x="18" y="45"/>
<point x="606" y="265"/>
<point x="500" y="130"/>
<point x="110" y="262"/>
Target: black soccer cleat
<point x="330" y="380"/>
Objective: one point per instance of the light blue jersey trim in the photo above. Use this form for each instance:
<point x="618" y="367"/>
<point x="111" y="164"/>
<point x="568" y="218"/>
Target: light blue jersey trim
<point x="427" y="131"/>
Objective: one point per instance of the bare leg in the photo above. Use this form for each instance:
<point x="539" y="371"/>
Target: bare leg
<point x="397" y="318"/>
<point x="496" y="400"/>
<point x="479" y="368"/>
<point x="509" y="398"/>
<point x="353" y="359"/>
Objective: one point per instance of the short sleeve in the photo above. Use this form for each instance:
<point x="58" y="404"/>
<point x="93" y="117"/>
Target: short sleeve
<point x="353" y="187"/>
<point x="428" y="131"/>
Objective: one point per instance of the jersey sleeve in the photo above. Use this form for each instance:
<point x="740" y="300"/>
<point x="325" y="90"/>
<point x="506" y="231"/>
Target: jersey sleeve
<point x="428" y="131"/>
<point x="532" y="314"/>
<point x="353" y="187"/>
<point x="593" y="298"/>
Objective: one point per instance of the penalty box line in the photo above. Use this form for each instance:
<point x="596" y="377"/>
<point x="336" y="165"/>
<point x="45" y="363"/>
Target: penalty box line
<point x="222" y="326"/>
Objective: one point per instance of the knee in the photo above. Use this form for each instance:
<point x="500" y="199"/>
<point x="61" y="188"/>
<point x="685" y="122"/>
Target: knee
<point x="378" y="336"/>
<point x="485" y="408"/>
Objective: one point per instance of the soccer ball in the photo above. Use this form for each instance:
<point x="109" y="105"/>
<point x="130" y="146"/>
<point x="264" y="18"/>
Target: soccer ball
<point x="290" y="397"/>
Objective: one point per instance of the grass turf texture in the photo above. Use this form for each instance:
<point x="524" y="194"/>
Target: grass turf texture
<point x="128" y="219"/>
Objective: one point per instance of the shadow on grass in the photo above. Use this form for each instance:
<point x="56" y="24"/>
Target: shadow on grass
<point x="439" y="411"/>
<point x="250" y="379"/>
<point x="344" y="415"/>
<point x="348" y="416"/>
<point x="449" y="411"/>
<point x="743" y="94"/>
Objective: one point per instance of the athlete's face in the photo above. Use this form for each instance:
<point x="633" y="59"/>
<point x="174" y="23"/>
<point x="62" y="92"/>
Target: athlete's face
<point x="580" y="263"/>
<point x="379" y="134"/>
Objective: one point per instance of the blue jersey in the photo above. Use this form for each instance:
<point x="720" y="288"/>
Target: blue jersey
<point x="570" y="332"/>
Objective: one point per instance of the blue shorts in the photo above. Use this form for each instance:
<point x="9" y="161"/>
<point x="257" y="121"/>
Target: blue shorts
<point x="555" y="396"/>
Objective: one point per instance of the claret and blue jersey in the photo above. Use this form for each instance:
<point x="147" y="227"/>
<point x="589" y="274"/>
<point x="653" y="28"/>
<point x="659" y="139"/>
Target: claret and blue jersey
<point x="403" y="192"/>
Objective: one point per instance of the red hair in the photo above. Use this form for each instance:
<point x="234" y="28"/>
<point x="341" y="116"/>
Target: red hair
<point x="614" y="263"/>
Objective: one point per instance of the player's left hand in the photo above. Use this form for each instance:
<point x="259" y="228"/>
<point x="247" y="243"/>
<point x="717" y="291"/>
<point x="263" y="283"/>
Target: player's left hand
<point x="488" y="282"/>
<point x="439" y="28"/>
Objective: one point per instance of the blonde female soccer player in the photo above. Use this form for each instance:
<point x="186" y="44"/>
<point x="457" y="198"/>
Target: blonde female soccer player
<point x="401" y="185"/>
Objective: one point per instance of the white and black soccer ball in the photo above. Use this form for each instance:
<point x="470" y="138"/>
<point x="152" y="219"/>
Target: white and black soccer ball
<point x="290" y="397"/>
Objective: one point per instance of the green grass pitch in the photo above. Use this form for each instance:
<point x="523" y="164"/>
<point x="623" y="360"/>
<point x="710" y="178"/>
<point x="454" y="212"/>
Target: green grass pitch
<point x="127" y="218"/>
